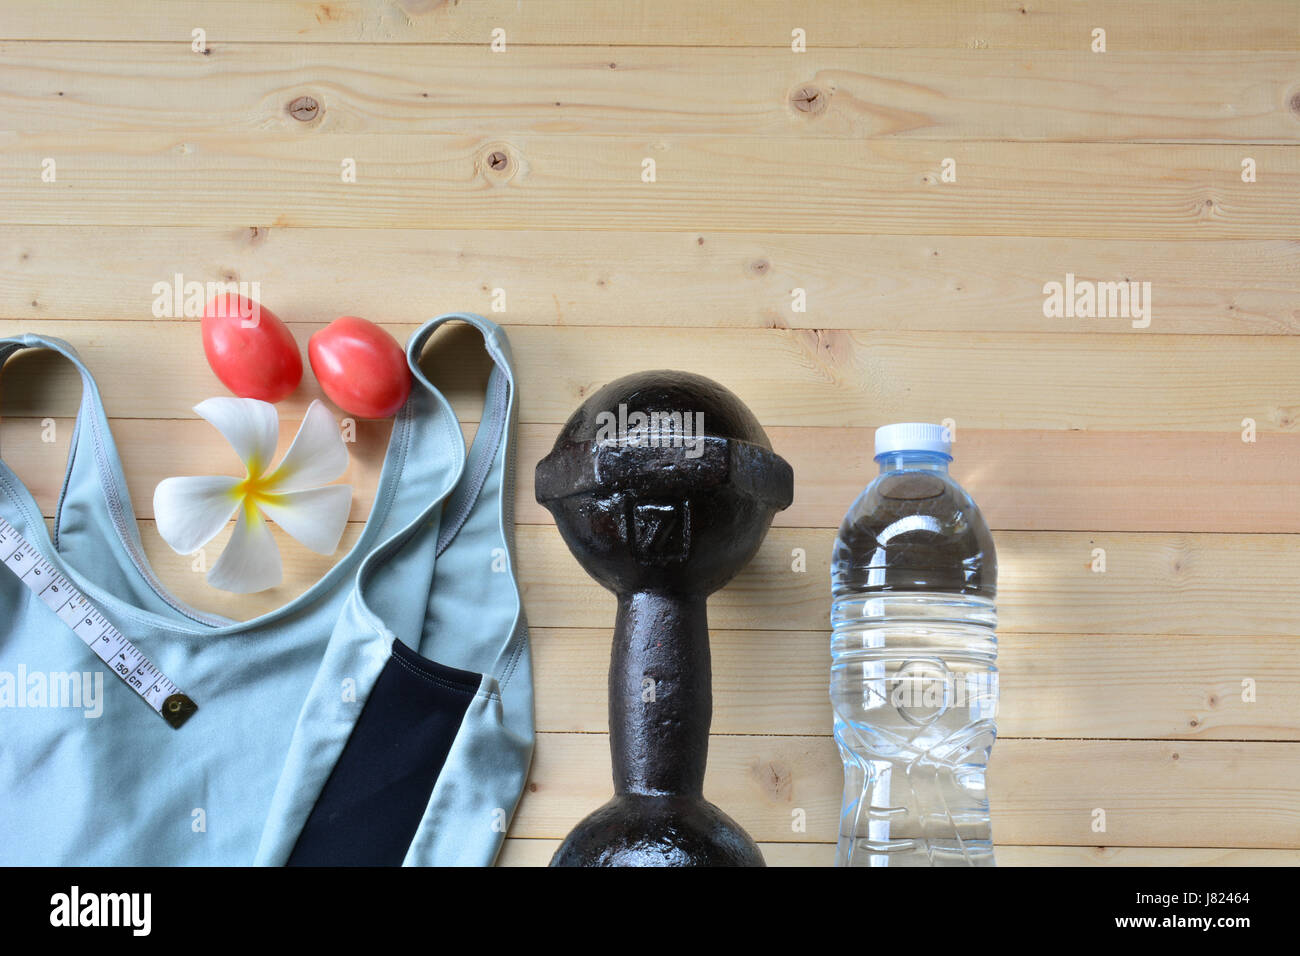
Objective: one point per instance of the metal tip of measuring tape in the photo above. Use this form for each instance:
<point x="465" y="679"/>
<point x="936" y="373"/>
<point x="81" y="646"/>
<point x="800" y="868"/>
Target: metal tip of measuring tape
<point x="177" y="709"/>
<point x="110" y="645"/>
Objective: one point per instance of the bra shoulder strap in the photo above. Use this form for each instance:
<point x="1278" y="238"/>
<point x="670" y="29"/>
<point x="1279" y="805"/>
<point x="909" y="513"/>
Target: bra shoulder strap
<point x="93" y="480"/>
<point x="495" y="431"/>
<point x="95" y="527"/>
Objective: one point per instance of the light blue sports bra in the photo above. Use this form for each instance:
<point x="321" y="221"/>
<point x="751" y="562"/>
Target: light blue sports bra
<point x="384" y="717"/>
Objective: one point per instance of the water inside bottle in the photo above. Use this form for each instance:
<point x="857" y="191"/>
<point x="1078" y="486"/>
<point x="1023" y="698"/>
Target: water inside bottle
<point x="913" y="681"/>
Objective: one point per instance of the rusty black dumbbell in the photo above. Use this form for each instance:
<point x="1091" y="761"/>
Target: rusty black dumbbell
<point x="663" y="485"/>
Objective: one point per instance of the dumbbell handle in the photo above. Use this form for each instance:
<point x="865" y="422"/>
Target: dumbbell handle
<point x="660" y="694"/>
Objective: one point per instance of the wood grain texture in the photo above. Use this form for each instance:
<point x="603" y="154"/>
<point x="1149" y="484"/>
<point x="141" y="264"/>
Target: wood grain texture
<point x="1198" y="585"/>
<point x="1110" y="686"/>
<point x="1130" y="96"/>
<point x="569" y="181"/>
<point x="1121" y="690"/>
<point x="1023" y="480"/>
<point x="1208" y="585"/>
<point x="1042" y="792"/>
<point x="695" y="279"/>
<point x="826" y="378"/>
<point x="970" y="24"/>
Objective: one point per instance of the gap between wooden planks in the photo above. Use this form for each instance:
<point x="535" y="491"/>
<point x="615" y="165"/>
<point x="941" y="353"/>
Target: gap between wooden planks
<point x="973" y="24"/>
<point x="734" y="183"/>
<point x="824" y="378"/>
<point x="1125" y="96"/>
<point x="1154" y="793"/>
<point x="519" y="851"/>
<point x="1023" y="480"/>
<point x="694" y="279"/>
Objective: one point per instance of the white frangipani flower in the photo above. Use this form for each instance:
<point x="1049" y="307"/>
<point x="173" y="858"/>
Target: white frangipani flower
<point x="190" y="512"/>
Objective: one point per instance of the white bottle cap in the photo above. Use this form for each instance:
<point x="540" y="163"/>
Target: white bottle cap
<point x="913" y="436"/>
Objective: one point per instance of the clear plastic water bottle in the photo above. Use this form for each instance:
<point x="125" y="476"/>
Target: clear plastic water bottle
<point x="913" y="646"/>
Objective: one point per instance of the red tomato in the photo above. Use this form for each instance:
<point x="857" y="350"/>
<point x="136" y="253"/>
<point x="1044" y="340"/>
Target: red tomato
<point x="252" y="351"/>
<point x="361" y="367"/>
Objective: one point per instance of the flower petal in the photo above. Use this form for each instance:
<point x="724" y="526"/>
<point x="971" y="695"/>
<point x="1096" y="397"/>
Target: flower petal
<point x="190" y="512"/>
<point x="251" y="561"/>
<point x="315" y="518"/>
<point x="251" y="427"/>
<point x="316" y="457"/>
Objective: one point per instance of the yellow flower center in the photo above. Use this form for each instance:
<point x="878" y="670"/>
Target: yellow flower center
<point x="250" y="491"/>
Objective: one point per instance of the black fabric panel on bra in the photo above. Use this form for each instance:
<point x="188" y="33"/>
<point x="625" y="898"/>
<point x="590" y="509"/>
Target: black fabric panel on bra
<point x="375" y="797"/>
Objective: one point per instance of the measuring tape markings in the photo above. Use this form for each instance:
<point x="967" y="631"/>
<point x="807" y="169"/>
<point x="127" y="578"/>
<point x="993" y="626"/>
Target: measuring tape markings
<point x="108" y="643"/>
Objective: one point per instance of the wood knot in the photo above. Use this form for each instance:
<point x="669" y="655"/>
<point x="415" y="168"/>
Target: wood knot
<point x="499" y="163"/>
<point x="759" y="267"/>
<point x="809" y="99"/>
<point x="830" y="352"/>
<point x="304" y="109"/>
<point x="1295" y="103"/>
<point x="776" y="780"/>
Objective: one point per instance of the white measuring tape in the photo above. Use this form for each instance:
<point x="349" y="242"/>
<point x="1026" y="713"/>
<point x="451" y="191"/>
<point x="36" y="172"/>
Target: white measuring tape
<point x="109" y="644"/>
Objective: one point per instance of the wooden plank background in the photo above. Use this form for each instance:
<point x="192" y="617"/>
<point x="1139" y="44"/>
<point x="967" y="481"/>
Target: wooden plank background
<point x="775" y="171"/>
